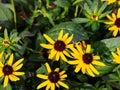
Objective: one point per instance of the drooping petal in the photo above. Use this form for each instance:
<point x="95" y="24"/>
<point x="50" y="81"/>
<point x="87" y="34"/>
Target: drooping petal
<point x="63" y="84"/>
<point x="57" y="56"/>
<point x="47" y="46"/>
<point x="113" y="28"/>
<point x="42" y="76"/>
<point x="115" y="33"/>
<point x="48" y="67"/>
<point x="42" y="84"/>
<point x="48" y="39"/>
<point x="79" y="49"/>
<point x="93" y="69"/>
<point x="78" y="67"/>
<point x="1" y="72"/>
<point x="63" y="57"/>
<point x="90" y="72"/>
<point x="5" y="81"/>
<point x="111" y="22"/>
<point x="114" y="16"/>
<point x="73" y="62"/>
<point x="48" y="86"/>
<point x="67" y="54"/>
<point x="17" y="63"/>
<point x="10" y="61"/>
<point x="13" y="78"/>
<point x="60" y="35"/>
<point x="88" y="48"/>
<point x="52" y="86"/>
<point x="114" y="55"/>
<point x="18" y="73"/>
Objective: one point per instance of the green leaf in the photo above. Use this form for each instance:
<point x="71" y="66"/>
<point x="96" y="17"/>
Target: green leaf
<point x="102" y="8"/>
<point x="87" y="9"/>
<point x="80" y="20"/>
<point x="62" y="3"/>
<point x="69" y="27"/>
<point x="8" y="87"/>
<point x="5" y="13"/>
<point x="41" y="70"/>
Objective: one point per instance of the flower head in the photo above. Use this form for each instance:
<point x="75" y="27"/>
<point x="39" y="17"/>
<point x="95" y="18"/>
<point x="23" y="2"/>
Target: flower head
<point x="54" y="78"/>
<point x="116" y="56"/>
<point x="114" y="22"/>
<point x="85" y="60"/>
<point x="9" y="70"/>
<point x="59" y="47"/>
<point x="111" y="1"/>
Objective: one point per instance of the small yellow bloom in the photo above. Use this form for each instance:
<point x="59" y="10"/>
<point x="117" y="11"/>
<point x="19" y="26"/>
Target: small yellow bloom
<point x="54" y="78"/>
<point x="114" y="22"/>
<point x="59" y="47"/>
<point x="116" y="56"/>
<point x="84" y="60"/>
<point x="10" y="70"/>
<point x="112" y="1"/>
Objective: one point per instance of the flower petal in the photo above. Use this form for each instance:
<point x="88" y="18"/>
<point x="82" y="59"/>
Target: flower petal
<point x="13" y="78"/>
<point x="63" y="76"/>
<point x="18" y="67"/>
<point x="18" y="62"/>
<point x="60" y="35"/>
<point x="42" y="84"/>
<point x="118" y="51"/>
<point x="88" y="48"/>
<point x="78" y="67"/>
<point x="18" y="73"/>
<point x="48" y="67"/>
<point x="73" y="62"/>
<point x="48" y="39"/>
<point x="1" y="72"/>
<point x="52" y="54"/>
<point x="57" y="56"/>
<point x="47" y="46"/>
<point x="1" y="65"/>
<point x="69" y="39"/>
<point x="109" y="17"/>
<point x="5" y="81"/>
<point x="63" y="84"/>
<point x="96" y="57"/>
<point x="115" y="33"/>
<point x="10" y="61"/>
<point x="63" y="57"/>
<point x="52" y="86"/>
<point x="42" y="76"/>
<point x="93" y="69"/>
<point x="65" y="37"/>
<point x="98" y="63"/>
<point x="118" y="13"/>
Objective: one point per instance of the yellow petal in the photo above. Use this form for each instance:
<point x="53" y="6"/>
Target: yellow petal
<point x="69" y="39"/>
<point x="48" y="67"/>
<point x="109" y="17"/>
<point x="47" y="46"/>
<point x="48" y="86"/>
<point x="98" y="63"/>
<point x="63" y="76"/>
<point x="83" y="68"/>
<point x="10" y="61"/>
<point x="1" y="72"/>
<point x="114" y="16"/>
<point x="65" y="37"/>
<point x="63" y="57"/>
<point x="88" y="48"/>
<point x="111" y="22"/>
<point x="118" y="51"/>
<point x="18" y="73"/>
<point x="57" y="56"/>
<point x="1" y="65"/>
<point x="42" y="76"/>
<point x="67" y="54"/>
<point x="114" y="55"/>
<point x="48" y="39"/>
<point x="18" y="62"/>
<point x="78" y="67"/>
<point x="93" y="69"/>
<point x="5" y="81"/>
<point x="42" y="84"/>
<point x="62" y="72"/>
<point x="90" y="72"/>
<point x="63" y="84"/>
<point x="60" y="35"/>
<point x="115" y="33"/>
<point x="73" y="62"/>
<point x="79" y="49"/>
<point x="118" y="13"/>
<point x="52" y="86"/>
<point x="57" y="69"/>
<point x="113" y="28"/>
<point x="96" y="57"/>
<point x="13" y="78"/>
<point x="18" y="67"/>
<point x="52" y="54"/>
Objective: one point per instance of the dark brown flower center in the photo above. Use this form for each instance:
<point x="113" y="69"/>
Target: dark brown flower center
<point x="7" y="69"/>
<point x="95" y="17"/>
<point x="54" y="77"/>
<point x="87" y="58"/>
<point x="117" y="22"/>
<point x="6" y="42"/>
<point x="59" y="45"/>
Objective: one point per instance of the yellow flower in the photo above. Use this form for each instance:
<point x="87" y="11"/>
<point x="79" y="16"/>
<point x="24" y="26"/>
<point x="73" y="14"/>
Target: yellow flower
<point x="9" y="70"/>
<point x="116" y="56"/>
<point x="82" y="44"/>
<point x="54" y="78"/>
<point x="114" y="22"/>
<point x="85" y="60"/>
<point x="112" y="1"/>
<point x="59" y="47"/>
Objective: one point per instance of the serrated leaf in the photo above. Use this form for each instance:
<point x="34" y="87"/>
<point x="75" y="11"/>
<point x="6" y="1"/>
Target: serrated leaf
<point x="69" y="27"/>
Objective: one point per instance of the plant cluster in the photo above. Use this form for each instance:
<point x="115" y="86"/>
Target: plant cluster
<point x="59" y="44"/>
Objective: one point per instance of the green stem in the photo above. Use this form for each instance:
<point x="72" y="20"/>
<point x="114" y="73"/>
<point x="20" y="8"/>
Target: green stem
<point x="14" y="13"/>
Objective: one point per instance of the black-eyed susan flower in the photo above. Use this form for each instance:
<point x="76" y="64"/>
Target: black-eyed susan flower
<point x="59" y="47"/>
<point x="54" y="78"/>
<point x="84" y="60"/>
<point x="114" y="22"/>
<point x="116" y="56"/>
<point x="9" y="43"/>
<point x="9" y="71"/>
<point x="112" y="1"/>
